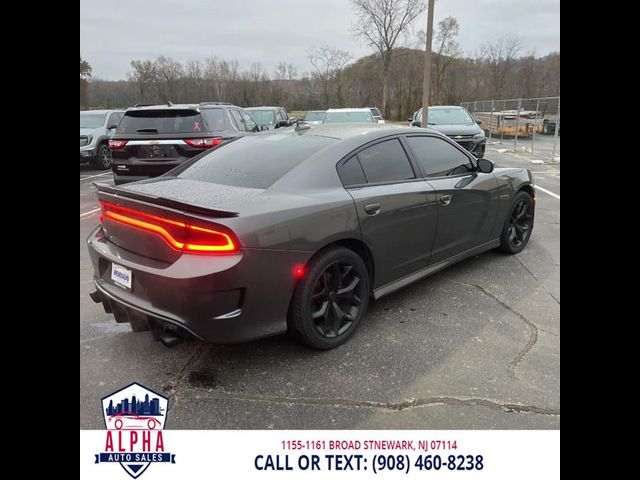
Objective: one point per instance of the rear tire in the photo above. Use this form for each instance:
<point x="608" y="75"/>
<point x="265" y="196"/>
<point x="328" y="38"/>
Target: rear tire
<point x="331" y="299"/>
<point x="518" y="225"/>
<point x="103" y="157"/>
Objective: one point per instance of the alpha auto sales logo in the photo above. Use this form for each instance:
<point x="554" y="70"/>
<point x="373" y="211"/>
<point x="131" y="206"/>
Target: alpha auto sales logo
<point x="135" y="417"/>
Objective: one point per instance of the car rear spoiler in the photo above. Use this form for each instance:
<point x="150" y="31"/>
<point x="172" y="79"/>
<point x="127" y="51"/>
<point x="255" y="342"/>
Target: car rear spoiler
<point x="112" y="191"/>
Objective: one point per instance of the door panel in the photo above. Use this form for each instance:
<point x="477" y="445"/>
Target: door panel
<point x="466" y="213"/>
<point x="398" y="222"/>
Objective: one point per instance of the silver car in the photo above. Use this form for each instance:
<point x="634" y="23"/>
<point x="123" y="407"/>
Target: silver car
<point x="96" y="128"/>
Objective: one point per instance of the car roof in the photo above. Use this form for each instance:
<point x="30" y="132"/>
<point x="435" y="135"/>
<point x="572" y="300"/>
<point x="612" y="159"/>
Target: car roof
<point x="182" y="106"/>
<point x="349" y="110"/>
<point x="264" y="107"/>
<point x="343" y="131"/>
<point x="101" y="111"/>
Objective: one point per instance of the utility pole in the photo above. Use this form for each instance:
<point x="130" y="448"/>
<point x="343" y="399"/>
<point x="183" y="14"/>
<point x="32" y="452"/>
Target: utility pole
<point x="426" y="82"/>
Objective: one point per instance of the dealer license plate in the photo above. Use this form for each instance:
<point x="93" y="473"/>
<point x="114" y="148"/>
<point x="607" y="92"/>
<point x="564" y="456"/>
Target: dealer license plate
<point x="121" y="276"/>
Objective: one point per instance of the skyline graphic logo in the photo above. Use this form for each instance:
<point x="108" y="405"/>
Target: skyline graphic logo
<point x="135" y="417"/>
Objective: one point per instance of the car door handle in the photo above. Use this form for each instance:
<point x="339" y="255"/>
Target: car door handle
<point x="445" y="199"/>
<point x="372" y="209"/>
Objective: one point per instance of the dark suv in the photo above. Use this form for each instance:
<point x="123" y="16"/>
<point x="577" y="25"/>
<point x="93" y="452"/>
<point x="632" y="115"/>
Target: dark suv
<point x="153" y="139"/>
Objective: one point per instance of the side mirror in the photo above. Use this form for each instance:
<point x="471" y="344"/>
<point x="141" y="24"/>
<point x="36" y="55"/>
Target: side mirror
<point x="485" y="166"/>
<point x="410" y="119"/>
<point x="415" y="123"/>
<point x="283" y="123"/>
<point x="479" y="122"/>
<point x="292" y="120"/>
<point x="112" y="127"/>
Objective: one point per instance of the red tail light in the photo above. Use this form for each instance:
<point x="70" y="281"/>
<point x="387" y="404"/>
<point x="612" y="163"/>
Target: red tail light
<point x="178" y="235"/>
<point x="208" y="142"/>
<point x="117" y="144"/>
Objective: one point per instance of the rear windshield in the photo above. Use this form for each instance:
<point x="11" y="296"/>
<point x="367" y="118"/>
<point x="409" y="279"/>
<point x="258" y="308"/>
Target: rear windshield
<point x="254" y="161"/>
<point x="348" y="117"/>
<point x="376" y="112"/>
<point x="164" y="121"/>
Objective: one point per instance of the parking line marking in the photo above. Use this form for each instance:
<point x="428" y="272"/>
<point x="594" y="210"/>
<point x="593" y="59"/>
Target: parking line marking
<point x="538" y="187"/>
<point x="94" y="176"/>
<point x="90" y="212"/>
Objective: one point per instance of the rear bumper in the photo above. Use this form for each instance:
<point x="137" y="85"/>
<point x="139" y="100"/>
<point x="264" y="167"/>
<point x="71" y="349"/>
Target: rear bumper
<point x="219" y="299"/>
<point x="127" y="171"/>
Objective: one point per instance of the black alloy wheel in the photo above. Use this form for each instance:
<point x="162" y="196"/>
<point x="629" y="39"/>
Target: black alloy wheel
<point x="331" y="299"/>
<point x="519" y="225"/>
<point x="336" y="299"/>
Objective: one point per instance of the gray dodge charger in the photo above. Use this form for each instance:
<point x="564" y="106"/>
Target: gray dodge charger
<point x="298" y="231"/>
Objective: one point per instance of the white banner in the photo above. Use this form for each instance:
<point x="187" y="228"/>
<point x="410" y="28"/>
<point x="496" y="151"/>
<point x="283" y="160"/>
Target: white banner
<point x="320" y="454"/>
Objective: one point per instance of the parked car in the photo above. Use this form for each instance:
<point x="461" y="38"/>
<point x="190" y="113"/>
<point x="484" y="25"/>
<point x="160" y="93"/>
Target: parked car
<point x="377" y="114"/>
<point x="314" y="117"/>
<point x="96" y="128"/>
<point x="297" y="231"/>
<point x="458" y="124"/>
<point x="153" y="139"/>
<point x="269" y="118"/>
<point x="348" y="115"/>
<point x="549" y="125"/>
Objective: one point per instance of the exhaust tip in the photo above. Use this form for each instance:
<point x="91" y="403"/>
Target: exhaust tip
<point x="169" y="340"/>
<point x="95" y="296"/>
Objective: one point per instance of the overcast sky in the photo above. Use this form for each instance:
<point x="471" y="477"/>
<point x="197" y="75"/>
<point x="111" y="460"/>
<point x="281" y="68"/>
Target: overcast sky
<point x="114" y="32"/>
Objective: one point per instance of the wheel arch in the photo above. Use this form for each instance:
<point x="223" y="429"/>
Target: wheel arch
<point x="354" y="244"/>
<point x="527" y="188"/>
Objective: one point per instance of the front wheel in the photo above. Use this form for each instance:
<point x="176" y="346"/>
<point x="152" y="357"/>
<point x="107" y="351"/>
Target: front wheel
<point x="331" y="299"/>
<point x="518" y="225"/>
<point x="103" y="157"/>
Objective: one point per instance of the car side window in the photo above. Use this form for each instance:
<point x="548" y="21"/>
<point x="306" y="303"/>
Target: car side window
<point x="386" y="162"/>
<point x="248" y="122"/>
<point x="239" y="121"/>
<point x="438" y="158"/>
<point x="351" y="172"/>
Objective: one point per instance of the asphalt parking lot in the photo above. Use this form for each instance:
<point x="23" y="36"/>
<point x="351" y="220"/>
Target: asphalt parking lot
<point x="474" y="346"/>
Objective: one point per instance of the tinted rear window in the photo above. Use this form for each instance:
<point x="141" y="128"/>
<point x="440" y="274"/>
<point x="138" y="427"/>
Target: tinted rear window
<point x="256" y="161"/>
<point x="163" y="121"/>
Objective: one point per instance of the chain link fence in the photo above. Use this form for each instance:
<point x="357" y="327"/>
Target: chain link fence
<point x="524" y="125"/>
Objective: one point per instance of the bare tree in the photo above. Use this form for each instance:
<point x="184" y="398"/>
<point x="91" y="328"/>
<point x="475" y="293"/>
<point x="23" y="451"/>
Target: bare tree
<point x="447" y="50"/>
<point x="169" y="72"/>
<point x="329" y="63"/>
<point x="500" y="57"/>
<point x="380" y="22"/>
<point x="143" y="74"/>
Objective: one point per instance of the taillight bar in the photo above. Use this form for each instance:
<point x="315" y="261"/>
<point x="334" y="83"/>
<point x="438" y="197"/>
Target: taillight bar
<point x="178" y="235"/>
<point x="208" y="142"/>
<point x="117" y="144"/>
